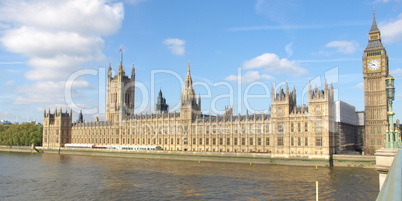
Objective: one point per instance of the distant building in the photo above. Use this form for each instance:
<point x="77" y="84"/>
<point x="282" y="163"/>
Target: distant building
<point x="161" y="106"/>
<point x="349" y="128"/>
<point x="5" y="122"/>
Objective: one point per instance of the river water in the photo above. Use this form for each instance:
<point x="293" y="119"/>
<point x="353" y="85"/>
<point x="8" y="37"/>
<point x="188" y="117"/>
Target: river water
<point x="72" y="177"/>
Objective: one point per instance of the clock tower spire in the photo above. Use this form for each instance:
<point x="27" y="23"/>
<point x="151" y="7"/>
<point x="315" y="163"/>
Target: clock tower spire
<point x="375" y="69"/>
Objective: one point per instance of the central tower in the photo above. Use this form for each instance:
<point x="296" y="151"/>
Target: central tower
<point x="189" y="109"/>
<point x="375" y="69"/>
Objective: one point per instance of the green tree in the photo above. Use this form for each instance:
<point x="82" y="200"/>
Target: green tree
<point x="24" y="134"/>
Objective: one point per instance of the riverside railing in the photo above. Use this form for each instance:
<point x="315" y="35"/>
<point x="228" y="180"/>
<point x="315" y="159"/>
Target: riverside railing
<point x="392" y="187"/>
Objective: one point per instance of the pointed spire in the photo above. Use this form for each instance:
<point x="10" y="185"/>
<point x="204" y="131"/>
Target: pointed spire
<point x="287" y="91"/>
<point x="121" y="67"/>
<point x="188" y="69"/>
<point x="80" y="117"/>
<point x="109" y="71"/>
<point x="132" y="71"/>
<point x="188" y="81"/>
<point x="374" y="27"/>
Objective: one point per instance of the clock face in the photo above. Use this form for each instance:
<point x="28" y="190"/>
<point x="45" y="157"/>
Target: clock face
<point x="374" y="65"/>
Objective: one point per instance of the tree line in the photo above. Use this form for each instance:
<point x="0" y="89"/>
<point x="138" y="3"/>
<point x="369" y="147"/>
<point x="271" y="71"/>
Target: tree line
<point x="24" y="134"/>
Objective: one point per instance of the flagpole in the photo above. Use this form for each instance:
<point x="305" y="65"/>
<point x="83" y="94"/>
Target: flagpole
<point x="122" y="50"/>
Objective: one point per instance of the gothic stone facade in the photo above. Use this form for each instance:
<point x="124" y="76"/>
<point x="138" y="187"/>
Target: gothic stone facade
<point x="288" y="131"/>
<point x="375" y="69"/>
<point x="56" y="128"/>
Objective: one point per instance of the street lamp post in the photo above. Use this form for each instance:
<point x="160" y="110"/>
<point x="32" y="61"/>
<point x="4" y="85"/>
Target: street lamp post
<point x="391" y="134"/>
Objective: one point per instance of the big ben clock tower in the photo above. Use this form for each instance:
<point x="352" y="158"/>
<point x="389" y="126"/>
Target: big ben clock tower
<point x="375" y="69"/>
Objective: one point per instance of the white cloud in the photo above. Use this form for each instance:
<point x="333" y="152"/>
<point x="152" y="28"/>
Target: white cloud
<point x="288" y="49"/>
<point x="397" y="72"/>
<point x="272" y="63"/>
<point x="249" y="77"/>
<point x="392" y="31"/>
<point x="175" y="45"/>
<point x="101" y="16"/>
<point x="344" y="47"/>
<point x="58" y="37"/>
<point x="359" y="85"/>
<point x="54" y="36"/>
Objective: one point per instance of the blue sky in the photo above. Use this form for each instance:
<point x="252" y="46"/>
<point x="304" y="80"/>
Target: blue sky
<point x="46" y="43"/>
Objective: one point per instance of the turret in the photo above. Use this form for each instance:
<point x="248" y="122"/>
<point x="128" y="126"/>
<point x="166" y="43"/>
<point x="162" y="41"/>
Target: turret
<point x="199" y="101"/>
<point x="80" y="117"/>
<point x="109" y="72"/>
<point x="160" y="96"/>
<point x="161" y="106"/>
<point x="228" y="111"/>
<point x="132" y="72"/>
<point x="121" y="72"/>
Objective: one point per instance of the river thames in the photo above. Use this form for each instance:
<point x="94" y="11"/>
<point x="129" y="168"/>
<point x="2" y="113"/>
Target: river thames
<point x="72" y="177"/>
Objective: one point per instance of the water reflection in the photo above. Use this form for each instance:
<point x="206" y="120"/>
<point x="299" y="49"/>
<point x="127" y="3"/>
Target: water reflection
<point x="70" y="177"/>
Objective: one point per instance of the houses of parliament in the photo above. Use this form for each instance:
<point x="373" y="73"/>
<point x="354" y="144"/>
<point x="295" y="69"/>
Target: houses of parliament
<point x="288" y="130"/>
